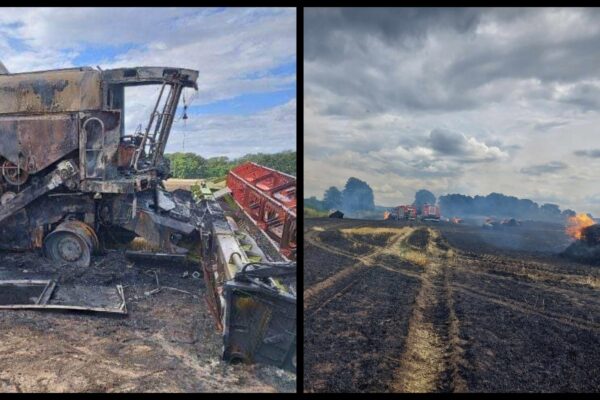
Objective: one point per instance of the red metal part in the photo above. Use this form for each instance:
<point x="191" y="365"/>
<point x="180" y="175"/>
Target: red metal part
<point x="431" y="211"/>
<point x="406" y="212"/>
<point x="269" y="198"/>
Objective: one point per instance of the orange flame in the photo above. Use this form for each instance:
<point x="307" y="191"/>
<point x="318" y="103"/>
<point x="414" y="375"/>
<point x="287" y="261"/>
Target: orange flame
<point x="576" y="224"/>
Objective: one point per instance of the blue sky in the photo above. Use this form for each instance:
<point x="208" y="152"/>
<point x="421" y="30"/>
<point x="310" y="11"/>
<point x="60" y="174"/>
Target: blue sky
<point x="246" y="58"/>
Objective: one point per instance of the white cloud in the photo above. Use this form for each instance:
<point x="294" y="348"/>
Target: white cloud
<point x="236" y="52"/>
<point x="234" y="135"/>
<point x="505" y="90"/>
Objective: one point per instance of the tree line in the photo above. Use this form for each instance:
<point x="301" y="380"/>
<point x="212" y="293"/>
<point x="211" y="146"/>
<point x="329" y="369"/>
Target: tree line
<point x="500" y="205"/>
<point x="194" y="166"/>
<point x="357" y="197"/>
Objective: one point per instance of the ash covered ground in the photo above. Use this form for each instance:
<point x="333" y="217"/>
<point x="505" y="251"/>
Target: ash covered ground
<point x="166" y="343"/>
<point x="447" y="308"/>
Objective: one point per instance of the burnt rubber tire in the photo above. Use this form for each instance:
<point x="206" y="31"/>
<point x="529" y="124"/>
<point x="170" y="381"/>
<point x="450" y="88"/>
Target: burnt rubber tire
<point x="71" y="243"/>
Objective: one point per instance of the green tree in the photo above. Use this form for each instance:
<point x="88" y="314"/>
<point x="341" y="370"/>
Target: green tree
<point x="550" y="210"/>
<point x="186" y="165"/>
<point x="314" y="203"/>
<point x="423" y="197"/>
<point x="333" y="198"/>
<point x="357" y="196"/>
<point x="190" y="165"/>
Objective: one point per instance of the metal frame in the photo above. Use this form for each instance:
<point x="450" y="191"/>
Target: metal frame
<point x="42" y="301"/>
<point x="259" y="192"/>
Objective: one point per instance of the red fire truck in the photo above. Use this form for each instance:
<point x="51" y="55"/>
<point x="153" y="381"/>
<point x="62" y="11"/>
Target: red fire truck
<point x="430" y="213"/>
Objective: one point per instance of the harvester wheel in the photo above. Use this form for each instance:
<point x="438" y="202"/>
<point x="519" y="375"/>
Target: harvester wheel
<point x="72" y="243"/>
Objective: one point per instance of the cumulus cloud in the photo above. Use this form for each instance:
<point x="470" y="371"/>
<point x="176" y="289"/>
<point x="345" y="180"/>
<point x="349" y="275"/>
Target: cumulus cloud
<point x="456" y="98"/>
<point x="237" y="51"/>
<point x="466" y="149"/>
<point x="235" y="135"/>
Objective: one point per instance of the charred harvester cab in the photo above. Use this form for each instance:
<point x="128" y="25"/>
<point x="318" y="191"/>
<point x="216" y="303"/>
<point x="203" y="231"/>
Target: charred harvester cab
<point x="70" y="174"/>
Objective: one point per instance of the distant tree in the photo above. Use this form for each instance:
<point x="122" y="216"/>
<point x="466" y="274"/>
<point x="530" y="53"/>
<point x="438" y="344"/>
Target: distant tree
<point x="284" y="161"/>
<point x="423" y="197"/>
<point x="314" y="203"/>
<point x="357" y="196"/>
<point x="186" y="165"/>
<point x="333" y="198"/>
<point x="550" y="211"/>
<point x="499" y="205"/>
<point x="218" y="167"/>
<point x="190" y="165"/>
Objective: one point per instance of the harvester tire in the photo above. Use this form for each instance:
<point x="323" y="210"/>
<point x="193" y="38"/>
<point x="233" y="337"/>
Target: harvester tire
<point x="71" y="243"/>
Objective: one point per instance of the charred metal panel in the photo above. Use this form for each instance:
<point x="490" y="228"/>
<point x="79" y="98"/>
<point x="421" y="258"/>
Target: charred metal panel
<point x="116" y="186"/>
<point x="149" y="75"/>
<point x="66" y="90"/>
<point x="99" y="143"/>
<point x="38" y="141"/>
<point x="260" y="325"/>
<point x="136" y="213"/>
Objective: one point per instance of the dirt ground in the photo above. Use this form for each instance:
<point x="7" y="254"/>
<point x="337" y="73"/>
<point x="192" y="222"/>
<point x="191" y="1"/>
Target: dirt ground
<point x="447" y="308"/>
<point x="166" y="343"/>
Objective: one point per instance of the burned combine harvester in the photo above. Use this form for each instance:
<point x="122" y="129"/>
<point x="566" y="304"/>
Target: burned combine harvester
<point x="70" y="175"/>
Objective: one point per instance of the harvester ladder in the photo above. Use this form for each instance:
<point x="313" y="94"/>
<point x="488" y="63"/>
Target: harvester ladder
<point x="156" y="139"/>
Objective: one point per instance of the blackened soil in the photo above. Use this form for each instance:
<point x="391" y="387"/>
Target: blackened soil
<point x="166" y="343"/>
<point x="419" y="238"/>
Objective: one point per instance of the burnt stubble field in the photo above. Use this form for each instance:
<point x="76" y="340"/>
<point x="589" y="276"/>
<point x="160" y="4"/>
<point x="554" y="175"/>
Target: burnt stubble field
<point x="397" y="307"/>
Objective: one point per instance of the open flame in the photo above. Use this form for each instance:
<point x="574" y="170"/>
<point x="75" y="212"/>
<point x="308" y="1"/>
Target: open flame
<point x="576" y="224"/>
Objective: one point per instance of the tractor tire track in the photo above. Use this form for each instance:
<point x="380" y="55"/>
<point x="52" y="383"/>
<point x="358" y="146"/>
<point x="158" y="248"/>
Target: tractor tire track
<point x="527" y="309"/>
<point x="354" y="272"/>
<point x="528" y="269"/>
<point x="432" y="353"/>
<point x="521" y="280"/>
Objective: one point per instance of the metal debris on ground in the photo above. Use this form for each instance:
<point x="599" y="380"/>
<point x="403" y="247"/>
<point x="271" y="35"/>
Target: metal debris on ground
<point x="47" y="295"/>
<point x="25" y="291"/>
<point x="159" y="257"/>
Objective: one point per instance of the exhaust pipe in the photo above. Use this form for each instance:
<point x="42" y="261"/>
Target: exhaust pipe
<point x="3" y="70"/>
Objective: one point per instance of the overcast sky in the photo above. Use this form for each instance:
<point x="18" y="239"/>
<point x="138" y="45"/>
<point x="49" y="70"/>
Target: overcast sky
<point x="246" y="58"/>
<point x="466" y="101"/>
